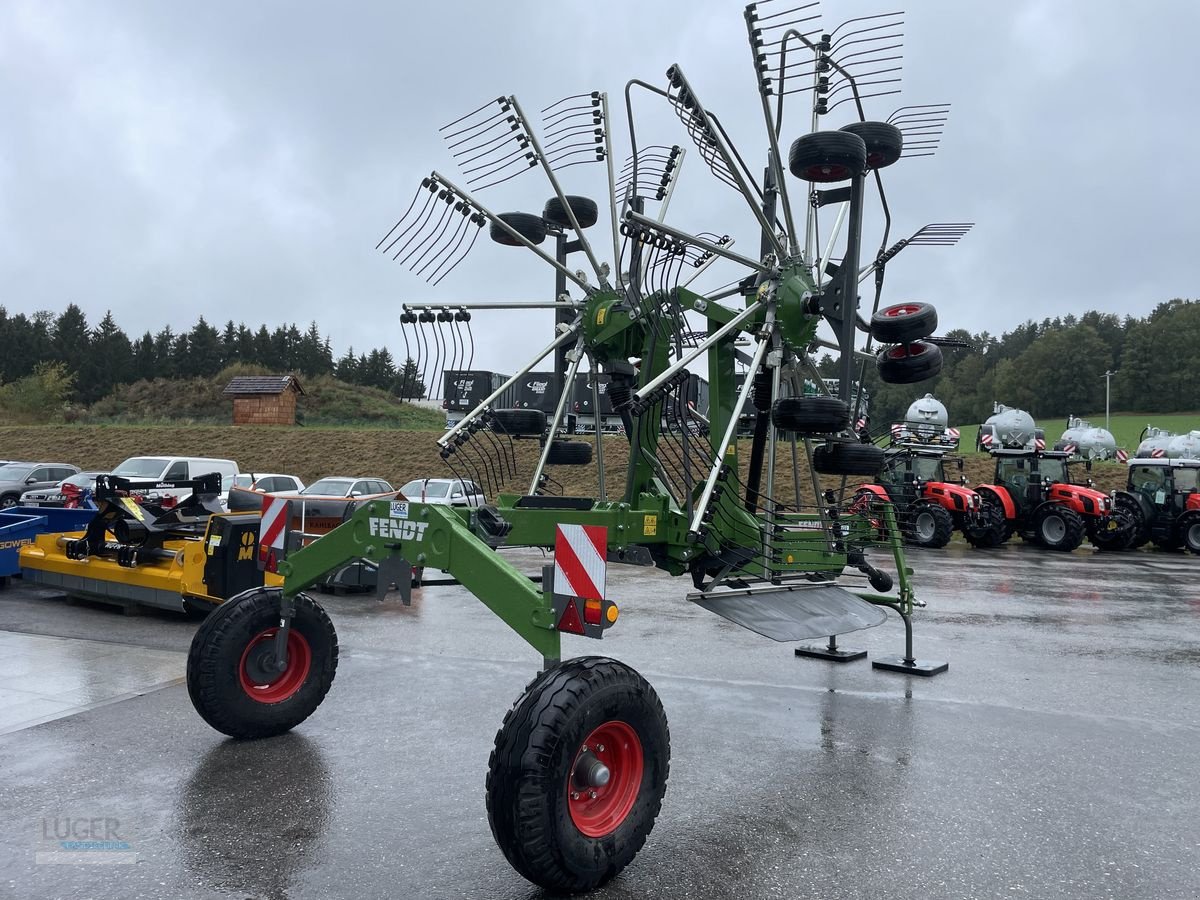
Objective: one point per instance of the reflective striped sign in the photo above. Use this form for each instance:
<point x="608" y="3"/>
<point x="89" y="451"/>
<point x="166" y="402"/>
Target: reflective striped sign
<point x="1039" y="443"/>
<point x="1122" y="456"/>
<point x="952" y="432"/>
<point x="579" y="560"/>
<point x="273" y="525"/>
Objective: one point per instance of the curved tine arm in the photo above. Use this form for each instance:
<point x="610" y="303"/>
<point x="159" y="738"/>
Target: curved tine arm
<point x="695" y="241"/>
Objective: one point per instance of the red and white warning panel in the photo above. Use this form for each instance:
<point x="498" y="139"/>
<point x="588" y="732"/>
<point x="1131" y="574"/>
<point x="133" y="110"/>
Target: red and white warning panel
<point x="272" y="531"/>
<point x="580" y="568"/>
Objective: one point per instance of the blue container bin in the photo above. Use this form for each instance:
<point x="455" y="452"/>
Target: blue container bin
<point x="22" y="524"/>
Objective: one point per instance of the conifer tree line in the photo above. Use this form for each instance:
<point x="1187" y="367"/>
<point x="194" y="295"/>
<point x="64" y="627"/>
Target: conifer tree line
<point x="102" y="356"/>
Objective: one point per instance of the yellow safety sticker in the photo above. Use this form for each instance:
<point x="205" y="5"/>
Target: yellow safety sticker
<point x="730" y="450"/>
<point x="136" y="511"/>
<point x="650" y="525"/>
<point x="601" y="315"/>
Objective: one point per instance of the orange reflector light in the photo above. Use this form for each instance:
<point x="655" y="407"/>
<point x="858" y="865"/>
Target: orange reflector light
<point x="611" y="613"/>
<point x="570" y="620"/>
<point x="591" y="612"/>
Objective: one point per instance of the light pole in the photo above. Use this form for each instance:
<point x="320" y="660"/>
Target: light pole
<point x="1107" y="393"/>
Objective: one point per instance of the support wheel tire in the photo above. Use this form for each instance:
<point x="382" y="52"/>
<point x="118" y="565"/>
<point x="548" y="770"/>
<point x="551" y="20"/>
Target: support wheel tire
<point x="909" y="363"/>
<point x="586" y="212"/>
<point x="827" y="157"/>
<point x="809" y="416"/>
<point x="903" y="323"/>
<point x="521" y="422"/>
<point x="529" y="226"/>
<point x="884" y="142"/>
<point x="1057" y="527"/>
<point x="569" y="453"/>
<point x="540" y="777"/>
<point x="930" y="526"/>
<point x="230" y="655"/>
<point x="848" y="458"/>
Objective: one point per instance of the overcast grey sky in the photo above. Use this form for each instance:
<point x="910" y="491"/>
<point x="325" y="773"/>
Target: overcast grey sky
<point x="240" y="160"/>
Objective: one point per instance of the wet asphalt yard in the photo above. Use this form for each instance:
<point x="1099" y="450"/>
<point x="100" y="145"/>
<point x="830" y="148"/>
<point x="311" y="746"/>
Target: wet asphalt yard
<point x="1058" y="757"/>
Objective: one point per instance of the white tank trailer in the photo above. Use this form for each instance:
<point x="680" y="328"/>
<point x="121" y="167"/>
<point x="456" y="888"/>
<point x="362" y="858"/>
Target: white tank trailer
<point x="1158" y="442"/>
<point x="926" y="422"/>
<point x="1089" y="441"/>
<point x="1011" y="429"/>
<point x="1184" y="446"/>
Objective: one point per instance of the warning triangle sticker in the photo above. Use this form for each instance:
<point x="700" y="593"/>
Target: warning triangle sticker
<point x="570" y="620"/>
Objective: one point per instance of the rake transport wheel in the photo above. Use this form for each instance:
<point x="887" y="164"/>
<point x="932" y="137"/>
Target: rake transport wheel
<point x="930" y="525"/>
<point x="904" y="322"/>
<point x="521" y="422"/>
<point x="909" y="363"/>
<point x="885" y="142"/>
<point x="809" y="416"/>
<point x="1189" y="530"/>
<point x="569" y="453"/>
<point x="827" y="157"/>
<point x="586" y="211"/>
<point x="578" y="772"/>
<point x="1058" y="528"/>
<point x="529" y="226"/>
<point x="847" y="458"/>
<point x="231" y="676"/>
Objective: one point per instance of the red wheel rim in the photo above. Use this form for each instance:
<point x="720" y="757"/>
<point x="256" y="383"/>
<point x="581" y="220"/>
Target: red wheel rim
<point x="598" y="810"/>
<point x="907" y="350"/>
<point x="902" y="309"/>
<point x="287" y="682"/>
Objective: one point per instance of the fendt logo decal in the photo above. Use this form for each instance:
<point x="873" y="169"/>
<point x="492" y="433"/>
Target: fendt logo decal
<point x="399" y="529"/>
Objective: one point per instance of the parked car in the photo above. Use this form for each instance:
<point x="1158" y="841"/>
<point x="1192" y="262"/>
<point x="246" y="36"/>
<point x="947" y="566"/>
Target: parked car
<point x="336" y="486"/>
<point x="444" y="492"/>
<point x="269" y="482"/>
<point x="64" y="492"/>
<point x="17" y="478"/>
<point x="177" y="468"/>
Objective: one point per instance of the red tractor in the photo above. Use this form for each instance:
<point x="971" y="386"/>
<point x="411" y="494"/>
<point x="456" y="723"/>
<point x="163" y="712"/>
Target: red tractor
<point x="1162" y="503"/>
<point x="929" y="507"/>
<point x="1040" y="501"/>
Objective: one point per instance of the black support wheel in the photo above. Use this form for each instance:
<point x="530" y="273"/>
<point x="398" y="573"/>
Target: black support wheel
<point x="1189" y="530"/>
<point x="929" y="525"/>
<point x="884" y="142"/>
<point x="578" y="773"/>
<point x="909" y="363"/>
<point x="569" y="453"/>
<point x="902" y="323"/>
<point x="987" y="528"/>
<point x="232" y="675"/>
<point x="827" y="157"/>
<point x="1058" y="527"/>
<point x="520" y="422"/>
<point x="529" y="226"/>
<point x="809" y="416"/>
<point x="848" y="458"/>
<point x="586" y="212"/>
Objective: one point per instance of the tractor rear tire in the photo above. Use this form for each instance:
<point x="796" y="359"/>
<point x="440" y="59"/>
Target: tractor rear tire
<point x="1058" y="527"/>
<point x="929" y="526"/>
<point x="848" y="458"/>
<point x="809" y="416"/>
<point x="586" y="212"/>
<point x="909" y="363"/>
<point x="231" y="651"/>
<point x="569" y="453"/>
<point x="559" y="825"/>
<point x="884" y="142"/>
<point x="519" y="422"/>
<point x="1189" y="530"/>
<point x="903" y="323"/>
<point x="827" y="157"/>
<point x="529" y="226"/>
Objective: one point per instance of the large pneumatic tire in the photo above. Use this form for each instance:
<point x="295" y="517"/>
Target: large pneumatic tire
<point x="1105" y="536"/>
<point x="523" y="422"/>
<point x="929" y="525"/>
<point x="827" y="157"/>
<point x="569" y="453"/>
<point x="903" y="323"/>
<point x="1189" y="530"/>
<point x="1057" y="527"/>
<point x="847" y="458"/>
<point x="586" y="212"/>
<point x="529" y="226"/>
<point x="988" y="528"/>
<point x="229" y="674"/>
<point x="909" y="363"/>
<point x="884" y="142"/>
<point x="808" y="416"/>
<point x="555" y="815"/>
